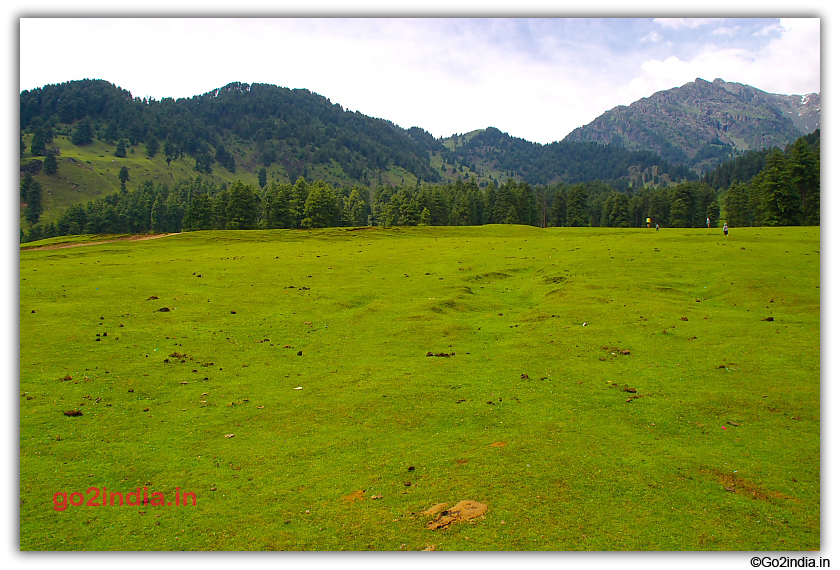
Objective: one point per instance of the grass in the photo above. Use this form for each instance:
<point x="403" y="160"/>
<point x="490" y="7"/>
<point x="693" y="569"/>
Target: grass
<point x="73" y="240"/>
<point x="718" y="448"/>
<point x="91" y="172"/>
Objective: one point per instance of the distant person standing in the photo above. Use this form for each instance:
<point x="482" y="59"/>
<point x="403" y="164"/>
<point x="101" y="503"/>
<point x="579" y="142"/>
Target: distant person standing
<point x="657" y="227"/>
<point x="648" y="222"/>
<point x="725" y="229"/>
<point x="708" y="223"/>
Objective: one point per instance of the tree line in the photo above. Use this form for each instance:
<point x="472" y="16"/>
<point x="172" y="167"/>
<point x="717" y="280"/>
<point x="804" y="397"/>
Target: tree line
<point x="786" y="191"/>
<point x="198" y="204"/>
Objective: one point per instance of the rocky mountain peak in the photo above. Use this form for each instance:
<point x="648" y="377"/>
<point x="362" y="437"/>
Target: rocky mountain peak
<point x="703" y="122"/>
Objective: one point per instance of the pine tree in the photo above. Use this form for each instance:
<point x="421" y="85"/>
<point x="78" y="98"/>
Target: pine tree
<point x="780" y="203"/>
<point x="737" y="203"/>
<point x="123" y="176"/>
<point x="174" y="212"/>
<point x="199" y="214"/>
<point x="33" y="209"/>
<point x="152" y="147"/>
<point x="83" y="134"/>
<point x="50" y="164"/>
<point x="577" y="214"/>
<point x="512" y="216"/>
<point x="425" y="217"/>
<point x="39" y="143"/>
<point x="354" y="212"/>
<point x="620" y="214"/>
<point x="158" y="217"/>
<point x="243" y="207"/>
<point x="111" y="131"/>
<point x="25" y="184"/>
<point x="804" y="172"/>
<point x="321" y="207"/>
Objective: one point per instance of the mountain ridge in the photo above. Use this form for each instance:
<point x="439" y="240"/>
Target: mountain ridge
<point x="683" y="122"/>
<point x="257" y="132"/>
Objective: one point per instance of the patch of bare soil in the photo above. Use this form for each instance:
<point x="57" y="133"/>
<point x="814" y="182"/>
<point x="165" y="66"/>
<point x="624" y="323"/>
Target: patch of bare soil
<point x="141" y="237"/>
<point x="463" y="511"/>
<point x="741" y="485"/>
<point x="355" y="496"/>
<point x="435" y="509"/>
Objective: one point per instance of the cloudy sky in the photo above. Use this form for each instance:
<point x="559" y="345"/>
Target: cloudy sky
<point x="535" y="78"/>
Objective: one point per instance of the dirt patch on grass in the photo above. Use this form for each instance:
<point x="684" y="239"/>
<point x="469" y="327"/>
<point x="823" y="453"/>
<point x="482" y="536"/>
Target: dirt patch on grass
<point x="498" y="444"/>
<point x="141" y="237"/>
<point x="732" y="483"/>
<point x="355" y="496"/>
<point x="463" y="511"/>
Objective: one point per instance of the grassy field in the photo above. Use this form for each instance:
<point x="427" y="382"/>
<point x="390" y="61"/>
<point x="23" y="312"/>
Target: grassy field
<point x="596" y="389"/>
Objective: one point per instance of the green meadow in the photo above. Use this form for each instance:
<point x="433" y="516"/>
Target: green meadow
<point x="595" y="389"/>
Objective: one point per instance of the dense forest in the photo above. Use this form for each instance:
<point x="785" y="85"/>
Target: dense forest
<point x="568" y="162"/>
<point x="298" y="131"/>
<point x="786" y="191"/>
<point x="293" y="127"/>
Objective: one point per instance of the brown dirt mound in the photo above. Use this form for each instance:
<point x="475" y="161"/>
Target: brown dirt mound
<point x="355" y="496"/>
<point x="463" y="511"/>
<point x="433" y="510"/>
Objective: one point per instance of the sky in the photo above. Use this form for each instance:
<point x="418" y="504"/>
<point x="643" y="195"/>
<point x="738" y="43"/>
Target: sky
<point x="534" y="78"/>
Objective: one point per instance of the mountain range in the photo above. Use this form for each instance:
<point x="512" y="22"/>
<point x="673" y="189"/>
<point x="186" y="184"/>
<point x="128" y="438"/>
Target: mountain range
<point x="253" y="132"/>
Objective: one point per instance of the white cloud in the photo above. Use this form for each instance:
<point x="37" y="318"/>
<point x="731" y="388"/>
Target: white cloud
<point x="722" y="31"/>
<point x="786" y="64"/>
<point x="677" y="23"/>
<point x="653" y="37"/>
<point x="658" y="75"/>
<point x="772" y="29"/>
